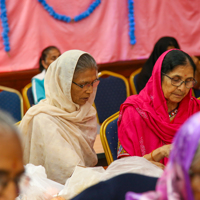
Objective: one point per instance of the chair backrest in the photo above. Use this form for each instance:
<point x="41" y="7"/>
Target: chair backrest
<point x="133" y="81"/>
<point x="196" y="93"/>
<point x="109" y="137"/>
<point x="112" y="91"/>
<point x="11" y="101"/>
<point x="28" y="95"/>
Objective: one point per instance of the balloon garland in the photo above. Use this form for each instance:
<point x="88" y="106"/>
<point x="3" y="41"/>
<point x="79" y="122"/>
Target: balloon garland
<point x="66" y="18"/>
<point x="50" y="10"/>
<point x="4" y="20"/>
<point x="131" y="22"/>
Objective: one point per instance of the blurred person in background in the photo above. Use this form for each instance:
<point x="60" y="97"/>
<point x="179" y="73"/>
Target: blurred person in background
<point x="197" y="76"/>
<point x="48" y="55"/>
<point x="11" y="159"/>
<point x="162" y="45"/>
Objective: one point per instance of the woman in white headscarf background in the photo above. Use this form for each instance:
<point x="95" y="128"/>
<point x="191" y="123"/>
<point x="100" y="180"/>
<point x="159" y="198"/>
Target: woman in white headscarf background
<point x="59" y="132"/>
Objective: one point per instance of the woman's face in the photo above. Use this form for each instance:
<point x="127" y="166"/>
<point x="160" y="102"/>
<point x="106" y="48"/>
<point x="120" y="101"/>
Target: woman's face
<point x="81" y="95"/>
<point x="174" y="94"/>
<point x="52" y="55"/>
<point x="195" y="180"/>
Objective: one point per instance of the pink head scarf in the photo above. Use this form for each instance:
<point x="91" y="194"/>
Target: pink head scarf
<point x="150" y="125"/>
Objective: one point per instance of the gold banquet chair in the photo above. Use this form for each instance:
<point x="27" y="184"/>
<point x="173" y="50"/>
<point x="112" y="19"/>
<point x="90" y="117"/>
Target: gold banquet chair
<point x="109" y="137"/>
<point x="112" y="91"/>
<point x="28" y="95"/>
<point x="18" y="123"/>
<point x="11" y="101"/>
<point x="133" y="79"/>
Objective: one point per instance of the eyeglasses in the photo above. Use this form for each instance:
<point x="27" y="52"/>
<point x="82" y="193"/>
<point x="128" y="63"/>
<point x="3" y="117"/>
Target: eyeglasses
<point x="95" y="83"/>
<point x="21" y="181"/>
<point x="176" y="81"/>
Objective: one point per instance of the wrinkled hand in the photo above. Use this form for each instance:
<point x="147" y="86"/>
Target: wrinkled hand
<point x="166" y="150"/>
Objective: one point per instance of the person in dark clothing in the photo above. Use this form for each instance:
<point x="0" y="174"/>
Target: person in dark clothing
<point x="116" y="187"/>
<point x="162" y="45"/>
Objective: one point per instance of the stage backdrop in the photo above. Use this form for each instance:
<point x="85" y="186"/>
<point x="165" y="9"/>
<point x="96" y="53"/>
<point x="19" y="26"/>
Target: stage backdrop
<point x="104" y="34"/>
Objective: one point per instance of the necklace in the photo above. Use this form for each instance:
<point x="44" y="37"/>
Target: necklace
<point x="173" y="112"/>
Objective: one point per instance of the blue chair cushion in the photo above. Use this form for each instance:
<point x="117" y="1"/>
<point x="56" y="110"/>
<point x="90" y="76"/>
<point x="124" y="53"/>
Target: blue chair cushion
<point x="30" y="96"/>
<point x="111" y="93"/>
<point x="10" y="102"/>
<point x="196" y="93"/>
<point x="112" y="137"/>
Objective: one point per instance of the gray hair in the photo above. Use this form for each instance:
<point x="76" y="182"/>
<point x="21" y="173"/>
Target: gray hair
<point x="85" y="62"/>
<point x="7" y="126"/>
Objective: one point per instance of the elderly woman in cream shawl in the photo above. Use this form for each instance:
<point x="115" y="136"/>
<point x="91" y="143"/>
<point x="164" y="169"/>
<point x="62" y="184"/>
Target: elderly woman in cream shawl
<point x="60" y="131"/>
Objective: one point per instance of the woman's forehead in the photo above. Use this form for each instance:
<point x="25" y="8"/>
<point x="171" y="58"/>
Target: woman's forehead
<point x="10" y="146"/>
<point x="88" y="74"/>
<point x="11" y="156"/>
<point x="182" y="70"/>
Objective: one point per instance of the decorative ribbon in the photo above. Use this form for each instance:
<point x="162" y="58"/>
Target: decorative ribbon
<point x="131" y="22"/>
<point x="4" y="20"/>
<point x="50" y="10"/>
<point x="66" y="18"/>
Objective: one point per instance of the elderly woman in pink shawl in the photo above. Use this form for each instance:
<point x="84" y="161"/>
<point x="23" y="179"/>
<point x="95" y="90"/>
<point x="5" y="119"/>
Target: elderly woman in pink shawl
<point x="181" y="178"/>
<point x="59" y="132"/>
<point x="148" y="121"/>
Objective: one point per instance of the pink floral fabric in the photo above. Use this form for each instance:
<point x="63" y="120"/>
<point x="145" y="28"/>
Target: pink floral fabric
<point x="175" y="181"/>
<point x="144" y="124"/>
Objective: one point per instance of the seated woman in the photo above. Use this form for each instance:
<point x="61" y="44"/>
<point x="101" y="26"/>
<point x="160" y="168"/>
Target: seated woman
<point x="48" y="55"/>
<point x="180" y="179"/>
<point x="59" y="132"/>
<point x="148" y="121"/>
<point x="162" y="45"/>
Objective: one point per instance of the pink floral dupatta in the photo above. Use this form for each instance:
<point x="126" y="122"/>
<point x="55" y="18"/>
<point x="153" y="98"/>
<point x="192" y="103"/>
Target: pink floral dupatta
<point x="175" y="181"/>
<point x="144" y="124"/>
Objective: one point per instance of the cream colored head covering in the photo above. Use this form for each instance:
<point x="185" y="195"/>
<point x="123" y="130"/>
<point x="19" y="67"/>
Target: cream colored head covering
<point x="58" y="133"/>
<point x="58" y="82"/>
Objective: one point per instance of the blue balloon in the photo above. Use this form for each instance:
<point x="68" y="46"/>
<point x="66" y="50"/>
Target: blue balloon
<point x="7" y="48"/>
<point x="59" y="17"/>
<point x="6" y="29"/>
<point x="90" y="10"/>
<point x="131" y="22"/>
<point x="50" y="10"/>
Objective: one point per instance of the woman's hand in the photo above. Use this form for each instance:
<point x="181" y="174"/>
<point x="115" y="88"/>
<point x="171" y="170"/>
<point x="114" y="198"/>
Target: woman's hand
<point x="166" y="150"/>
<point x="159" y="153"/>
